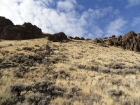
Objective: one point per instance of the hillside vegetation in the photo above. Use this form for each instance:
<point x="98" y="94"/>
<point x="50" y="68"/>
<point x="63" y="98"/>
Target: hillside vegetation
<point x="38" y="68"/>
<point x="77" y="72"/>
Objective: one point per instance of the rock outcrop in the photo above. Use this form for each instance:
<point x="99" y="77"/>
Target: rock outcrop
<point x="9" y="31"/>
<point x="130" y="41"/>
<point x="5" y="22"/>
<point x="59" y="37"/>
<point x="77" y="38"/>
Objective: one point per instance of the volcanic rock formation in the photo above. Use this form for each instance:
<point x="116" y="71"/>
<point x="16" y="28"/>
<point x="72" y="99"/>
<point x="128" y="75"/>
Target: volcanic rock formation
<point x="4" y="22"/>
<point x="9" y="31"/>
<point x="59" y="37"/>
<point x="130" y="41"/>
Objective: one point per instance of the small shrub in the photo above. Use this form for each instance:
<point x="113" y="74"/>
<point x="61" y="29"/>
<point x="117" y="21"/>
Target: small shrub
<point x="1" y="74"/>
<point x="28" y="48"/>
<point x="135" y="67"/>
<point x="7" y="99"/>
<point x="10" y="45"/>
<point x="17" y="88"/>
<point x="131" y="101"/>
<point x="116" y="81"/>
<point x="20" y="71"/>
<point x="114" y="92"/>
<point x="61" y="74"/>
<point x="37" y="45"/>
<point x="7" y="63"/>
<point x="118" y="71"/>
<point x="71" y="68"/>
<point x="35" y="97"/>
<point x="104" y="70"/>
<point x="39" y="49"/>
<point x="1" y="60"/>
<point x="94" y="68"/>
<point x="130" y="71"/>
<point x="80" y="66"/>
<point x="115" y="65"/>
<point x="75" y="89"/>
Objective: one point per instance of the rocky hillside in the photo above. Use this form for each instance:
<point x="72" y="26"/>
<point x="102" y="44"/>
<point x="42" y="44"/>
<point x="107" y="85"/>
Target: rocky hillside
<point x="130" y="41"/>
<point x="61" y="70"/>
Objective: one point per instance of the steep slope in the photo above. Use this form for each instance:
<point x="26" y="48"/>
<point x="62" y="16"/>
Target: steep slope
<point x="78" y="72"/>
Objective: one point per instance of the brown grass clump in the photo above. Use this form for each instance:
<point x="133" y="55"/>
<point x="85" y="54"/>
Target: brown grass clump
<point x="79" y="72"/>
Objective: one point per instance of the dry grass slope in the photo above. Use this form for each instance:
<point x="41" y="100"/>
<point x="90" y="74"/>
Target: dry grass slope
<point x="39" y="72"/>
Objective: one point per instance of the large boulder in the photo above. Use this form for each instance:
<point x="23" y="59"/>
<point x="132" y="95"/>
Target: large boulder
<point x="59" y="37"/>
<point x="9" y="31"/>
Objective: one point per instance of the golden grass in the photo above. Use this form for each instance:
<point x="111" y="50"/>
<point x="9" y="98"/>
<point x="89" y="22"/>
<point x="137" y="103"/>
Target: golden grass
<point x="90" y="82"/>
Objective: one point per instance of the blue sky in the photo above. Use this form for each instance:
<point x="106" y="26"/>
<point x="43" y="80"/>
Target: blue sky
<point x="83" y="18"/>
